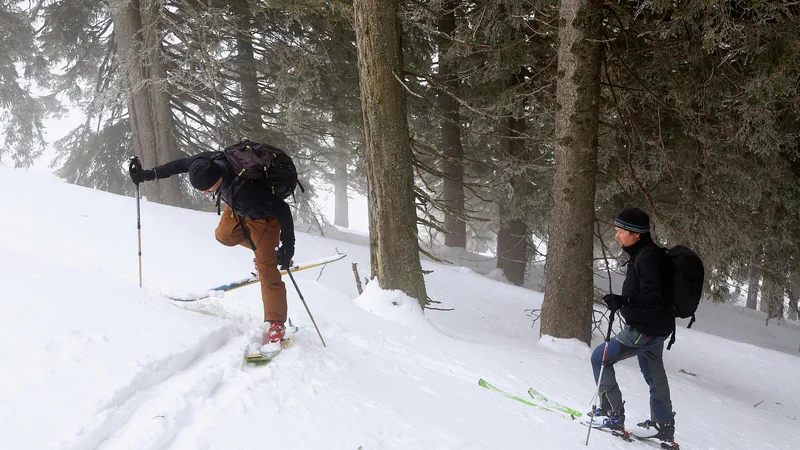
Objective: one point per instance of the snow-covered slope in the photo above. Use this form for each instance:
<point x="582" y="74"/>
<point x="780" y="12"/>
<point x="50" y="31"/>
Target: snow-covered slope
<point x="91" y="361"/>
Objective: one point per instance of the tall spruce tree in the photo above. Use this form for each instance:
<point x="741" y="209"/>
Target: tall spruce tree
<point x="392" y="215"/>
<point x="566" y="311"/>
<point x="21" y="111"/>
<point x="138" y="40"/>
<point x="451" y="147"/>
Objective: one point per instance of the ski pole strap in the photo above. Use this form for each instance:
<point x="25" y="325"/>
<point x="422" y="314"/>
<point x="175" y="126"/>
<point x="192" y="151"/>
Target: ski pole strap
<point x="610" y="323"/>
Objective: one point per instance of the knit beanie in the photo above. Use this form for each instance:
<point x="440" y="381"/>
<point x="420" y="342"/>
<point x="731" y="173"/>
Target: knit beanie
<point x="634" y="220"/>
<point x="204" y="173"/>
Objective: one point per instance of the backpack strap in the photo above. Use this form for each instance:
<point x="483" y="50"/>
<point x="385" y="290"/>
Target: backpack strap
<point x="245" y="231"/>
<point x="671" y="338"/>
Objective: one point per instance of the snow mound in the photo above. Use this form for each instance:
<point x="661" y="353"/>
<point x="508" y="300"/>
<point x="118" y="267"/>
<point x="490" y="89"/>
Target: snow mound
<point x="394" y="306"/>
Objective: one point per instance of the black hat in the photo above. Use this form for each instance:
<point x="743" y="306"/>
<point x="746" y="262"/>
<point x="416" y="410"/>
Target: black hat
<point x="204" y="173"/>
<point x="634" y="220"/>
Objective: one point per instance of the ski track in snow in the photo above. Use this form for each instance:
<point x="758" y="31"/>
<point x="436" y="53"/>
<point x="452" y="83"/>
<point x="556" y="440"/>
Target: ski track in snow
<point x="183" y="395"/>
<point x="320" y="371"/>
<point x="159" y="399"/>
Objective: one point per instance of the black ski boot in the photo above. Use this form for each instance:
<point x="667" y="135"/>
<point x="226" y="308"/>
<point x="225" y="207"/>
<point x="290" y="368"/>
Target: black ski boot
<point x="663" y="431"/>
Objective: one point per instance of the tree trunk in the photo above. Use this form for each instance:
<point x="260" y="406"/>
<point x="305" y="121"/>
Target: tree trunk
<point x="772" y="297"/>
<point x="453" y="189"/>
<point x="763" y="306"/>
<point x="127" y="33"/>
<point x="248" y="78"/>
<point x="753" y="286"/>
<point x="340" y="183"/>
<point x="774" y="285"/>
<point x="393" y="217"/>
<point x="148" y="105"/>
<point x="512" y="249"/>
<point x="794" y="296"/>
<point x="166" y="145"/>
<point x="512" y="240"/>
<point x="567" y="307"/>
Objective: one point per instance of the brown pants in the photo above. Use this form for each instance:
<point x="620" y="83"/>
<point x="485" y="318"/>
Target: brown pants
<point x="266" y="234"/>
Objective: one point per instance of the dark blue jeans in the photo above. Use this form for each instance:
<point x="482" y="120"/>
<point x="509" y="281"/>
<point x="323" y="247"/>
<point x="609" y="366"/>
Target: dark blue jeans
<point x="649" y="350"/>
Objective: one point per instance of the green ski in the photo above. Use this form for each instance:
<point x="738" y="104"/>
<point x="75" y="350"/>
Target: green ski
<point x="487" y="385"/>
<point x="539" y="398"/>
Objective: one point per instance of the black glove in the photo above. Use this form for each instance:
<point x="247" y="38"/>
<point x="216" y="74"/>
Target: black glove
<point x="615" y="301"/>
<point x="285" y="254"/>
<point x="139" y="175"/>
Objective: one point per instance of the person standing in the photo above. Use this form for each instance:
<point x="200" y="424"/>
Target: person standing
<point x="645" y="305"/>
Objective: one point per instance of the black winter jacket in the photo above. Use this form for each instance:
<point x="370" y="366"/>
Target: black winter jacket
<point x="646" y="287"/>
<point x="252" y="201"/>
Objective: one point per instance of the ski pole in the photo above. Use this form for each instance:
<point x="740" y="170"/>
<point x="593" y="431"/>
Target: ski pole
<point x="600" y="377"/>
<point x="306" y="305"/>
<point x="135" y="166"/>
<point x="139" y="232"/>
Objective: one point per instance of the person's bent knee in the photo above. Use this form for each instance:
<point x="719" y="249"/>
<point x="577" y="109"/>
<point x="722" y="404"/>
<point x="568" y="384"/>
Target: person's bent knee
<point x="226" y="240"/>
<point x="597" y="355"/>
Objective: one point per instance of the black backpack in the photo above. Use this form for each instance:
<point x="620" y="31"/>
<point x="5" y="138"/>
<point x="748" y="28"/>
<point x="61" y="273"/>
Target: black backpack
<point x="687" y="283"/>
<point x="263" y="162"/>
